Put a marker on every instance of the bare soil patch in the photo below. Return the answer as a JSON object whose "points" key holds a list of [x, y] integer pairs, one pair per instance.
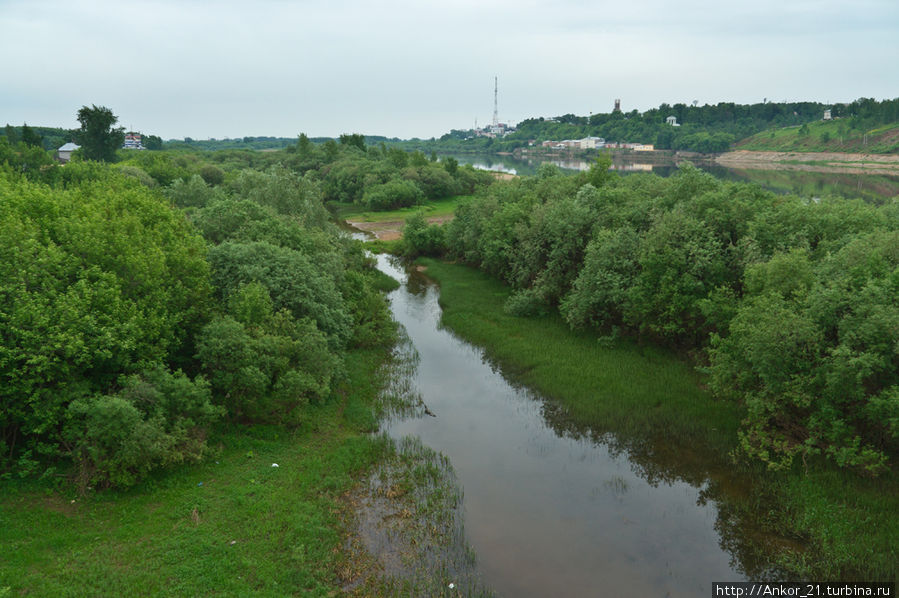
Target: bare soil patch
{"points": [[392, 229]]}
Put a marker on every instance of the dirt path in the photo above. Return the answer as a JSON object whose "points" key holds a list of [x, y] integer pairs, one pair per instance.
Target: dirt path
{"points": [[812, 162], [392, 229]]}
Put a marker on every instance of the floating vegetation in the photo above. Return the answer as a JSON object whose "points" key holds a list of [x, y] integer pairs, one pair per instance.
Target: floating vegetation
{"points": [[409, 534], [400, 397]]}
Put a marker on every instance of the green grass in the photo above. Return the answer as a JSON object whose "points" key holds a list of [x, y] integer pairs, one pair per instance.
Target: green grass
{"points": [[618, 386], [825, 136], [848, 525], [231, 526], [430, 209], [394, 247]]}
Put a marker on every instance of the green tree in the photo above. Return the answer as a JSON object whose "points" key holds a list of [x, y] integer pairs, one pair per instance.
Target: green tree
{"points": [[97, 137], [152, 142], [30, 137], [11, 135], [213, 175], [356, 140], [304, 147], [99, 280], [451, 165]]}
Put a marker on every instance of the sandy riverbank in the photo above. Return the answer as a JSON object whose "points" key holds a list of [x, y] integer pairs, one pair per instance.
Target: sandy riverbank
{"points": [[812, 162]]}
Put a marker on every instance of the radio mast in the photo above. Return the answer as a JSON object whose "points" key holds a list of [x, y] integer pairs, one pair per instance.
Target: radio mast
{"points": [[495, 102]]}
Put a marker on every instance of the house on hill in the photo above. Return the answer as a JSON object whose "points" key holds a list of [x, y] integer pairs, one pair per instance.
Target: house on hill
{"points": [[64, 154], [133, 141]]}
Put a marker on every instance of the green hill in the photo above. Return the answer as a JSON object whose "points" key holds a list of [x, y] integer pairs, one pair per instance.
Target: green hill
{"points": [[826, 136]]}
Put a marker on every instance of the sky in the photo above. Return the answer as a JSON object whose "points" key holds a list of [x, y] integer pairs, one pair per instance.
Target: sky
{"points": [[221, 68]]}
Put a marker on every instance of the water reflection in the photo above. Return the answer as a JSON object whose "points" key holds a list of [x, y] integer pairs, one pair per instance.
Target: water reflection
{"points": [[553, 508], [870, 187]]}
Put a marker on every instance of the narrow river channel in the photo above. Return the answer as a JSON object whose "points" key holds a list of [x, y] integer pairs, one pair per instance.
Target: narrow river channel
{"points": [[549, 514]]}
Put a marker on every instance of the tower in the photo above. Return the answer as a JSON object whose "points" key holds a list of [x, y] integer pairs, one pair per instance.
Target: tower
{"points": [[495, 101], [617, 106]]}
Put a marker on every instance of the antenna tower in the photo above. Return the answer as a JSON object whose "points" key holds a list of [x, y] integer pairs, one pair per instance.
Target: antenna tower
{"points": [[495, 102]]}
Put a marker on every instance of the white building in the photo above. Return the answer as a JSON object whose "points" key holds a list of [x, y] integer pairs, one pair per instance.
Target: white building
{"points": [[64, 154], [591, 142], [672, 120], [133, 141]]}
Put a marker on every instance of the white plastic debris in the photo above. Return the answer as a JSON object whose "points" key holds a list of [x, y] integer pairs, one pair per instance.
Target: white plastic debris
{"points": [[233, 542], [274, 464], [452, 585]]}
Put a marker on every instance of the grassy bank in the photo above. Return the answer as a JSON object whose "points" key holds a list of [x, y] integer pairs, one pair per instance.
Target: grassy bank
{"points": [[825, 136], [234, 525], [655, 405], [604, 384], [441, 208]]}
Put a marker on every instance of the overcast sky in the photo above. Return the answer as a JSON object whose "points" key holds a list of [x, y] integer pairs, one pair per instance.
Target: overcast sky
{"points": [[418, 68]]}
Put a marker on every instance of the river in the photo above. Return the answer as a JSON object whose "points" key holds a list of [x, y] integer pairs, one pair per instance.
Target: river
{"points": [[870, 187], [551, 513]]}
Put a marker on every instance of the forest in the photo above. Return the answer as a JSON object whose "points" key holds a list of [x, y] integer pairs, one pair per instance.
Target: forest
{"points": [[142, 307], [789, 306]]}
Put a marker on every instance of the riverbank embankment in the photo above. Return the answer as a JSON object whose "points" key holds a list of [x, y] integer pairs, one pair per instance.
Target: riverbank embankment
{"points": [[830, 162]]}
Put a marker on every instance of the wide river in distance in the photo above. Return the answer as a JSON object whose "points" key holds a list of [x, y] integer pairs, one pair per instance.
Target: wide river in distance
{"points": [[873, 188], [549, 513]]}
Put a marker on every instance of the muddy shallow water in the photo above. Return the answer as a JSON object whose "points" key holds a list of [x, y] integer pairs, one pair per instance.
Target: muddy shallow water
{"points": [[550, 513]]}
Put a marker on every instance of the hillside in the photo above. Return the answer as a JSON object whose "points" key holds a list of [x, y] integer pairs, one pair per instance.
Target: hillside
{"points": [[704, 129], [842, 136]]}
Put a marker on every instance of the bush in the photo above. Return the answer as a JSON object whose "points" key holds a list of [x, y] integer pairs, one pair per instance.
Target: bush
{"points": [[372, 323], [98, 281], [526, 303], [137, 173], [421, 239], [299, 283], [157, 419], [192, 192], [213, 175], [267, 373], [816, 363], [391, 195], [285, 192]]}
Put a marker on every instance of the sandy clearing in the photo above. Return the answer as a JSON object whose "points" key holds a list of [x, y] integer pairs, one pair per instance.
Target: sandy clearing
{"points": [[392, 229]]}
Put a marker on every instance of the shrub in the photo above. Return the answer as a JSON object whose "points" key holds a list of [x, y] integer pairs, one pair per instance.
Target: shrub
{"points": [[421, 239], [213, 175], [392, 194], [158, 418], [192, 192], [267, 373]]}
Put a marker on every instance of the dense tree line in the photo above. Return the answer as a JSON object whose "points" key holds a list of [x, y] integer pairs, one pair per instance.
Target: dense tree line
{"points": [[49, 138], [790, 305], [140, 305], [257, 143], [380, 177], [706, 129]]}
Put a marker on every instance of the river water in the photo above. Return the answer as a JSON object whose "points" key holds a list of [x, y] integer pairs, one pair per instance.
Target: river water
{"points": [[551, 513], [874, 188]]}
